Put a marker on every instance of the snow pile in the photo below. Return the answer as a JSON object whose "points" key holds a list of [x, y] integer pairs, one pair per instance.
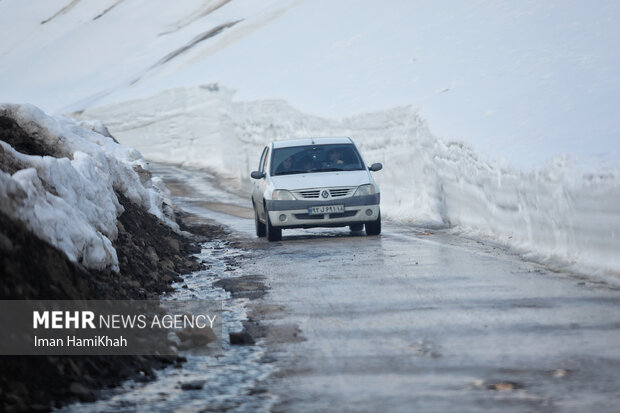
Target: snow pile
{"points": [[69, 199], [552, 213]]}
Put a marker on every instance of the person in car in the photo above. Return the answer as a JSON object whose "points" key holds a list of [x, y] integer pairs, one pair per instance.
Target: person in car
{"points": [[334, 157], [285, 165]]}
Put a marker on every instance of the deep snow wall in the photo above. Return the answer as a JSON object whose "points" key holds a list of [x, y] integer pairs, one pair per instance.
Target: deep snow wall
{"points": [[550, 214]]}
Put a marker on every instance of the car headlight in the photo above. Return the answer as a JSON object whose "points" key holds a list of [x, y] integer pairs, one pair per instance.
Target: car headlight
{"points": [[282, 195], [365, 190]]}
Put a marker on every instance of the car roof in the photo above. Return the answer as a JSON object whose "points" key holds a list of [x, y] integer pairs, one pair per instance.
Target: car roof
{"points": [[311, 141]]}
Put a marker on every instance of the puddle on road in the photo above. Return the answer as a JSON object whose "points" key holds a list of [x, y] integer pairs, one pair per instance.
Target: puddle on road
{"points": [[229, 378]]}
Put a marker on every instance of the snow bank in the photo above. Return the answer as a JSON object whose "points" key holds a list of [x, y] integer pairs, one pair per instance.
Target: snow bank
{"points": [[549, 214], [69, 199]]}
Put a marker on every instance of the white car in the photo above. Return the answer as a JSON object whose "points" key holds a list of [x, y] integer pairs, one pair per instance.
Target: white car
{"points": [[314, 182]]}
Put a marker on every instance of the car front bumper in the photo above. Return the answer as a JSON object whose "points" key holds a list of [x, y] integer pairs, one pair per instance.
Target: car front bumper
{"points": [[294, 214]]}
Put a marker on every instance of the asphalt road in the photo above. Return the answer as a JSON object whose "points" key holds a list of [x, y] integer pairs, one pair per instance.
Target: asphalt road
{"points": [[416, 320]]}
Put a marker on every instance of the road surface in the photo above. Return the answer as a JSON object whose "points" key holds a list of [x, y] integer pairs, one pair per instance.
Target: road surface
{"points": [[418, 320]]}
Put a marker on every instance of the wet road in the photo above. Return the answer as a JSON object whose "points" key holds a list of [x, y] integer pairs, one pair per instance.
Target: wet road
{"points": [[417, 321]]}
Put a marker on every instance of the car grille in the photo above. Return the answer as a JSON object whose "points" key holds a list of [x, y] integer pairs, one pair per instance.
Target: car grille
{"points": [[311, 193], [308, 216], [316, 193], [340, 192], [345, 214]]}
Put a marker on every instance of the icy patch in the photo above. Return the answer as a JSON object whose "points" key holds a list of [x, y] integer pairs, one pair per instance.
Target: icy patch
{"points": [[70, 201], [554, 213]]}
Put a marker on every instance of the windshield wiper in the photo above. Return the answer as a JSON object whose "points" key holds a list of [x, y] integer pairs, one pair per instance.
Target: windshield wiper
{"points": [[328, 170], [291, 172]]}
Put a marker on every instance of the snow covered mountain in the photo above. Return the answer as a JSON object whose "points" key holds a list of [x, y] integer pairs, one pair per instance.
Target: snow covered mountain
{"points": [[69, 55], [520, 81]]}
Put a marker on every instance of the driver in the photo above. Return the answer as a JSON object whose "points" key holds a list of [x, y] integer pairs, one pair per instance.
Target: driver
{"points": [[334, 157], [285, 165]]}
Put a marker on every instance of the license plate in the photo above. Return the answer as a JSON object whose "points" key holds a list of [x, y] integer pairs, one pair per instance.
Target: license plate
{"points": [[326, 209]]}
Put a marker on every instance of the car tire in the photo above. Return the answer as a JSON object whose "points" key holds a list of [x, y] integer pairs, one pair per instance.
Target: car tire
{"points": [[273, 233], [374, 227], [356, 227], [261, 231]]}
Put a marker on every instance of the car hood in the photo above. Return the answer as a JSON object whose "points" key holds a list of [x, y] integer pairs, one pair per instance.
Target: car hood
{"points": [[320, 180]]}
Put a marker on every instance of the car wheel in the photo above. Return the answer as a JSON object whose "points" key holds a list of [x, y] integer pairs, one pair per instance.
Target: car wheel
{"points": [[356, 227], [260, 227], [273, 233], [374, 227]]}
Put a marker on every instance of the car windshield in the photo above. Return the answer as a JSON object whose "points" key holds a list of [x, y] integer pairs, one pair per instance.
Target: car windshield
{"points": [[315, 158]]}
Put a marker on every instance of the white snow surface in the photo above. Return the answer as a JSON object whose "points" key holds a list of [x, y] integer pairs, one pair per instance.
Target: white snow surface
{"points": [[554, 214], [70, 201], [523, 81]]}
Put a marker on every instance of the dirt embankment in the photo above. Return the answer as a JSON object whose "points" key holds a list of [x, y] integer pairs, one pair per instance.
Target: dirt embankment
{"points": [[151, 256]]}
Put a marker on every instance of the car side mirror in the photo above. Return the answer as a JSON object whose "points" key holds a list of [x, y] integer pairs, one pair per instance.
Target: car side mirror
{"points": [[257, 174], [375, 167]]}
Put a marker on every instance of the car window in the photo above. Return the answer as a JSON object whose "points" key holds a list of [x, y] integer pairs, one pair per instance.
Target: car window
{"points": [[262, 160], [315, 158], [265, 160]]}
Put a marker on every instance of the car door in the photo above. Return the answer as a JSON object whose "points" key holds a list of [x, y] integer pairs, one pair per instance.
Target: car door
{"points": [[260, 185]]}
